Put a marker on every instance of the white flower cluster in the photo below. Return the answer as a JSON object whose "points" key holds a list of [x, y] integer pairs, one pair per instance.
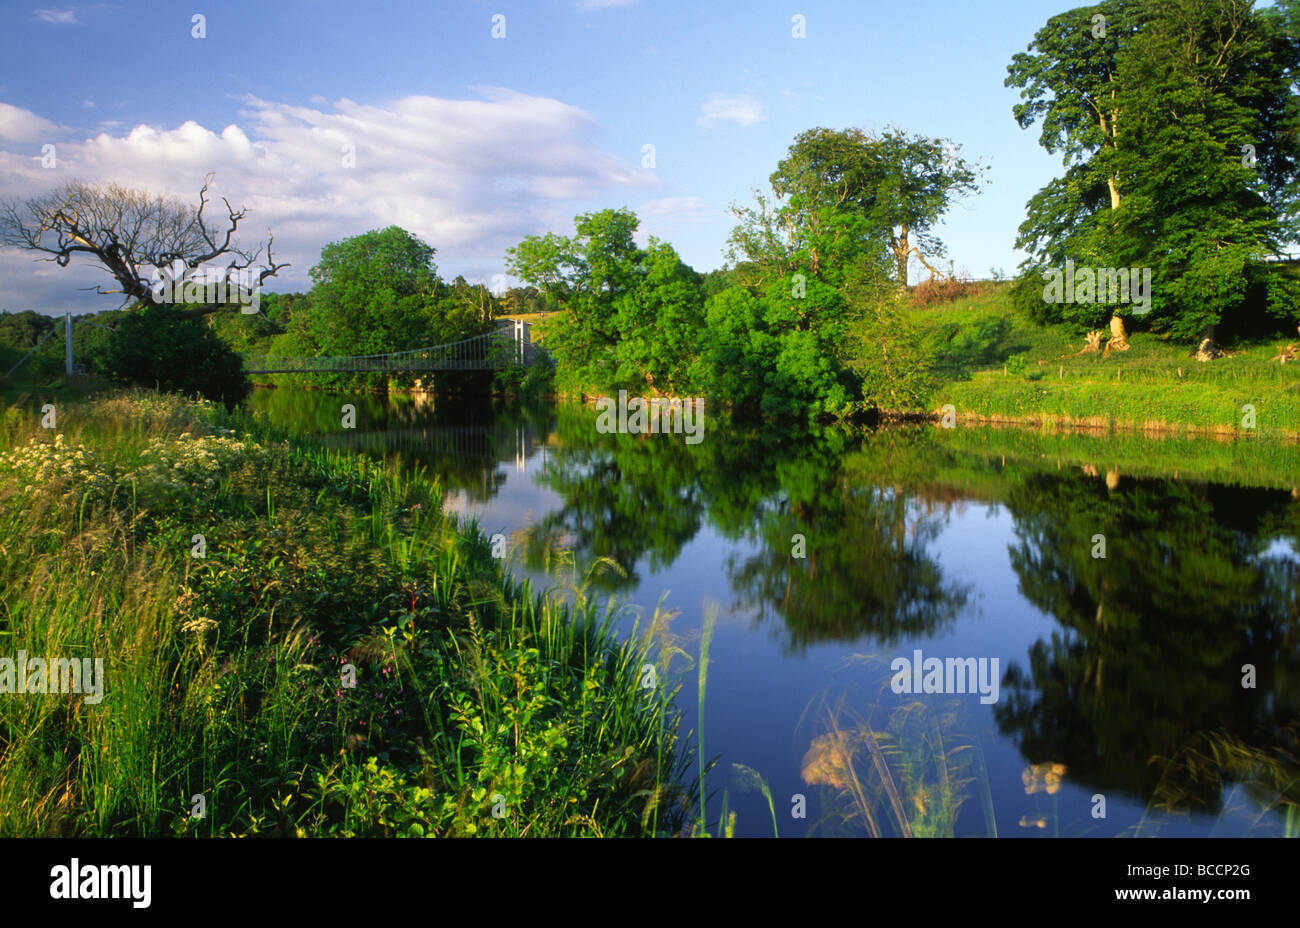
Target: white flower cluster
{"points": [[41, 463], [196, 462], [168, 466]]}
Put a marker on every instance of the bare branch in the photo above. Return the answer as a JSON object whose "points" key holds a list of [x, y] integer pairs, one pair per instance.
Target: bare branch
{"points": [[127, 231]]}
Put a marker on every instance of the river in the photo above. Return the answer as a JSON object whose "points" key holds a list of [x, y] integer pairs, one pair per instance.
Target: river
{"points": [[917, 632]]}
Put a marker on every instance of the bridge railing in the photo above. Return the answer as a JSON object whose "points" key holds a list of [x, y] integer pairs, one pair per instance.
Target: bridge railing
{"points": [[488, 351]]}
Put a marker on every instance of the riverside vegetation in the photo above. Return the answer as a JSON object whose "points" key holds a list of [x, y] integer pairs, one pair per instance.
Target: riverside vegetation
{"points": [[478, 707], [993, 362], [484, 708], [225, 672]]}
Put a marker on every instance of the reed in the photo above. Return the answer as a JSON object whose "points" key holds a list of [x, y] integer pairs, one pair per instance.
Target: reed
{"points": [[480, 705]]}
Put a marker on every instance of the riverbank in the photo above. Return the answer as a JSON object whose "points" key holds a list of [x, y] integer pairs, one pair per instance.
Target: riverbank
{"points": [[993, 365], [296, 641]]}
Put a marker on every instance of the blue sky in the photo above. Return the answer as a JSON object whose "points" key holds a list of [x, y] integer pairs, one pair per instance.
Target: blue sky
{"points": [[472, 141]]}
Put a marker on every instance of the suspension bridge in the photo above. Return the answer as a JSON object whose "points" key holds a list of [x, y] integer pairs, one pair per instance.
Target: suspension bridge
{"points": [[69, 366], [510, 345]]}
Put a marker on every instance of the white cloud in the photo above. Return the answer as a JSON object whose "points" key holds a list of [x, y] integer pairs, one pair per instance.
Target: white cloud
{"points": [[61, 17], [20, 125], [677, 209], [471, 177], [745, 110]]}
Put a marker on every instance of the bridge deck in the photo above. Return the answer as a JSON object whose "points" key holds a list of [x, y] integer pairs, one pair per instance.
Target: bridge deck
{"points": [[510, 345]]}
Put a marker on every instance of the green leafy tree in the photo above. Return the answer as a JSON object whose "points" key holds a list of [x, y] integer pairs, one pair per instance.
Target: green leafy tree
{"points": [[586, 276], [165, 348], [523, 301], [829, 254], [1150, 105], [379, 292], [280, 308], [882, 344], [735, 349], [25, 329], [658, 322], [1069, 80], [370, 292], [840, 195], [776, 354], [1205, 79]]}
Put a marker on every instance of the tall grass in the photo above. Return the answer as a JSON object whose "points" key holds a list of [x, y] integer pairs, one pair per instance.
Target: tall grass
{"points": [[1257, 788], [480, 706]]}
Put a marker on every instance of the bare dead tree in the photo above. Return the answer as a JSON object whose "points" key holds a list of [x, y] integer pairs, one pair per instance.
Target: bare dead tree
{"points": [[132, 234]]}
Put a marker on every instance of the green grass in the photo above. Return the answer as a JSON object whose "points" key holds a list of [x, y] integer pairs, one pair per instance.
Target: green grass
{"points": [[478, 708], [34, 392], [994, 363], [1252, 462]]}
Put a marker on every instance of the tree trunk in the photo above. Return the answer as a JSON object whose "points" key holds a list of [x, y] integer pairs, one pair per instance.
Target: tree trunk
{"points": [[901, 253], [1108, 129], [1118, 337]]}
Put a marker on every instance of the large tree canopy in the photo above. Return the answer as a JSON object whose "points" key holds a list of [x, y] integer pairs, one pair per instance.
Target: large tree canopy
{"points": [[1175, 119], [811, 313], [369, 292], [379, 292], [845, 196], [603, 284]]}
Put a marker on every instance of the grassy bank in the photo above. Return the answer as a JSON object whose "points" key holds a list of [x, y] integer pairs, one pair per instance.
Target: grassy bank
{"points": [[994, 364], [478, 707], [1247, 462]]}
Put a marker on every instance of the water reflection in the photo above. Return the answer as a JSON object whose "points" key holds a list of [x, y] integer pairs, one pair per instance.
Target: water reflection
{"points": [[1123, 673], [467, 441], [1154, 636]]}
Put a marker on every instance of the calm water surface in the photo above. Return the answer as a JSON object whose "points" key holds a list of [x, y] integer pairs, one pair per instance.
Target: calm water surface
{"points": [[1119, 681]]}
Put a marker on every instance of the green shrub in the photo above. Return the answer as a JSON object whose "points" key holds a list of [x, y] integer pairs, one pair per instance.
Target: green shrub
{"points": [[161, 347]]}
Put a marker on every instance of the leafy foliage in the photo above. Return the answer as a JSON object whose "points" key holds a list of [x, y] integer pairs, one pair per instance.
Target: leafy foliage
{"points": [[229, 673], [807, 315], [1176, 123], [158, 346], [375, 293]]}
